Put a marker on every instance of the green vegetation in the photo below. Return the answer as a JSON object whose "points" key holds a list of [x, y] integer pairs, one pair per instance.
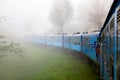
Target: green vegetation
{"points": [[7, 45], [38, 63]]}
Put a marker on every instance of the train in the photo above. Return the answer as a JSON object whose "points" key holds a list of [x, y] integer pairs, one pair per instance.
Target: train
{"points": [[84, 43], [103, 47], [109, 41]]}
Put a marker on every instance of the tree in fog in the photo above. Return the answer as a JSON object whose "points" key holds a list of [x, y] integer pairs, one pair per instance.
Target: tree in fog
{"points": [[61, 13], [9, 46], [98, 12]]}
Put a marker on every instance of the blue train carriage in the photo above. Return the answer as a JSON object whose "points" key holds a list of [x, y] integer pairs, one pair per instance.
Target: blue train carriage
{"points": [[110, 44], [117, 42], [76, 42], [58, 40], [67, 41], [89, 44], [40, 39], [35, 39], [49, 40]]}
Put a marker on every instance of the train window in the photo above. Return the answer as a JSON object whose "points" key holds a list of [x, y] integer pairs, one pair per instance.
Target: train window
{"points": [[118, 16], [76, 40], [58, 39], [112, 24], [72, 39], [83, 41], [86, 41], [67, 39]]}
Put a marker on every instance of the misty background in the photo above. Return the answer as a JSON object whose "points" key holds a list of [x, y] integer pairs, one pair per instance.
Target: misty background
{"points": [[25, 17]]}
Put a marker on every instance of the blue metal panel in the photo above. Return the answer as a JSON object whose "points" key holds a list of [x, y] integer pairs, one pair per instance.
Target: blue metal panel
{"points": [[49, 40], [40, 41], [75, 47], [67, 41], [115, 47], [90, 52], [58, 44], [49, 43], [66, 45], [76, 43], [89, 44], [118, 43]]}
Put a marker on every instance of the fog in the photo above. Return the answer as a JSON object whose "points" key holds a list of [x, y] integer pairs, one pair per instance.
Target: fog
{"points": [[24, 17]]}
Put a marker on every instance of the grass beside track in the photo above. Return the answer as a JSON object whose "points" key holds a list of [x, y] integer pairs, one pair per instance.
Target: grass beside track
{"points": [[39, 63]]}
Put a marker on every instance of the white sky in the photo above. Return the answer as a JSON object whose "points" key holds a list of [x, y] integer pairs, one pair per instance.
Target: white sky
{"points": [[32, 16], [25, 16]]}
